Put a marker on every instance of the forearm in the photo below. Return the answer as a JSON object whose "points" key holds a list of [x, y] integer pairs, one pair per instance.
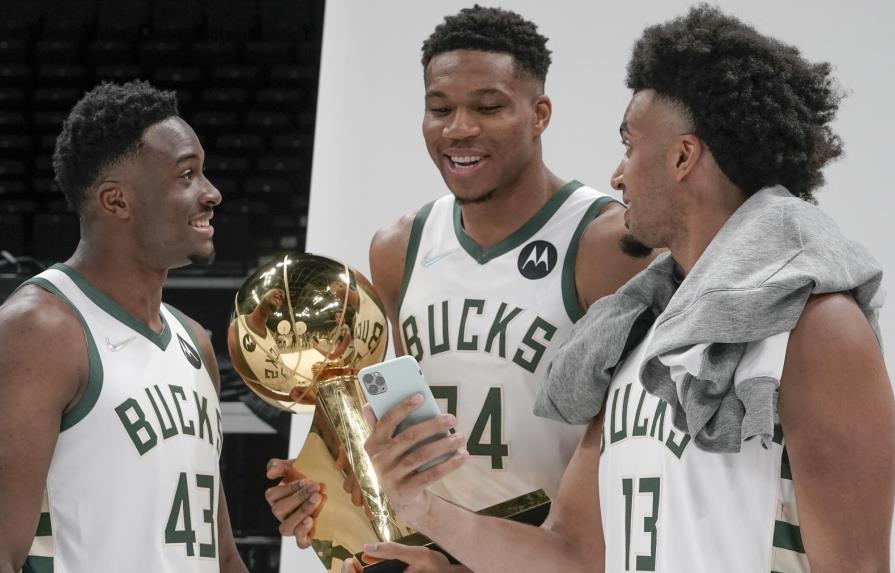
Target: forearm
{"points": [[488, 544]]}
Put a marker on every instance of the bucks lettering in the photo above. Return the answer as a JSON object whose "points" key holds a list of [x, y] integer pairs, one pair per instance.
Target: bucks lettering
{"points": [[165, 411], [648, 420], [478, 332]]}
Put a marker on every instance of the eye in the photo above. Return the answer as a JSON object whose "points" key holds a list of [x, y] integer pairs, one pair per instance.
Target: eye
{"points": [[439, 111], [490, 109], [627, 145], [187, 175]]}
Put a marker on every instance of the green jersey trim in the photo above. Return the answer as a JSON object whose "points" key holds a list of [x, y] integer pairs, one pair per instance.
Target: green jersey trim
{"points": [[569, 288], [94, 364], [484, 254], [413, 247], [101, 300], [181, 318], [36, 564]]}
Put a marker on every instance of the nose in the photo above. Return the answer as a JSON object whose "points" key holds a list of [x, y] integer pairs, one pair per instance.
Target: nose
{"points": [[461, 126], [616, 181], [211, 196]]}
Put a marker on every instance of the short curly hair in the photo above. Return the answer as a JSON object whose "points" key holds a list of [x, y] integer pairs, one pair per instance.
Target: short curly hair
{"points": [[763, 110], [491, 30], [102, 128]]}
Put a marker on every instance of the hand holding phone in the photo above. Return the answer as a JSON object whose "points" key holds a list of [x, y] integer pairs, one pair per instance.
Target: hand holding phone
{"points": [[389, 383]]}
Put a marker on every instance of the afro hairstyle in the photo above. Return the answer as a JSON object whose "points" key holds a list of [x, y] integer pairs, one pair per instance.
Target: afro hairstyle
{"points": [[763, 110]]}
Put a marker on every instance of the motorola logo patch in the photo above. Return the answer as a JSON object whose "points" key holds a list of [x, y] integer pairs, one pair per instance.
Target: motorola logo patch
{"points": [[191, 355], [248, 343], [537, 259]]}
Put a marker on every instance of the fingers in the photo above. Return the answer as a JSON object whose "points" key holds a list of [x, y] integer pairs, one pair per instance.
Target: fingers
{"points": [[445, 445], [385, 428], [386, 455], [341, 460], [433, 474], [369, 415], [277, 468], [351, 566], [303, 488], [357, 494], [415, 557]]}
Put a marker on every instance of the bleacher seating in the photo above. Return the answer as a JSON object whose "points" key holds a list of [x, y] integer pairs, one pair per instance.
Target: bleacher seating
{"points": [[245, 72]]}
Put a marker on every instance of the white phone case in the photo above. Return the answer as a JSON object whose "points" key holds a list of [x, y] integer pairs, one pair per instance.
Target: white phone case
{"points": [[389, 383]]}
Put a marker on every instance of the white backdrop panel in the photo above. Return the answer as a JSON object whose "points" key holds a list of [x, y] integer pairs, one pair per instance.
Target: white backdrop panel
{"points": [[371, 166]]}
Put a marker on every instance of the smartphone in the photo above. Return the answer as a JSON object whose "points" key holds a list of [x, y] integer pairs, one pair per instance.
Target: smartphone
{"points": [[389, 383]]}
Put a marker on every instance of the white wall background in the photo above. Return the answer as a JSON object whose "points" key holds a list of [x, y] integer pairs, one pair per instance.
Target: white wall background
{"points": [[371, 166]]}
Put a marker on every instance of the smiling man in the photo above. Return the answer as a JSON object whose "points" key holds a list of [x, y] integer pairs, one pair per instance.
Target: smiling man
{"points": [[752, 425], [482, 285], [109, 415]]}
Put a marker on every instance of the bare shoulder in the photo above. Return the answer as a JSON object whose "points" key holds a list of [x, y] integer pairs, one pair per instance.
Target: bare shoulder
{"points": [[388, 249], [601, 266], [38, 328], [832, 331], [838, 417], [32, 312], [394, 237]]}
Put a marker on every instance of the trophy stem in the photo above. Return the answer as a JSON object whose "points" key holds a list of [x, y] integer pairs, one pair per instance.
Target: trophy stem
{"points": [[337, 398]]}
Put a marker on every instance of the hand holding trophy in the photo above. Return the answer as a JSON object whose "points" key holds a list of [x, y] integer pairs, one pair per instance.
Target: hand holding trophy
{"points": [[302, 327]]}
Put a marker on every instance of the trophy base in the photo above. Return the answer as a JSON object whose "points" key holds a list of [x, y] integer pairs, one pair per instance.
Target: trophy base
{"points": [[531, 508]]}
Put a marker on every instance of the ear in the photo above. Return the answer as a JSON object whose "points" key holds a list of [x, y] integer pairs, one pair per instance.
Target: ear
{"points": [[112, 199], [687, 152], [543, 112]]}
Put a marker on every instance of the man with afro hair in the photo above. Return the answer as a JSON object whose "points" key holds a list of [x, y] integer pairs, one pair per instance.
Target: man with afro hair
{"points": [[109, 413], [740, 417], [482, 285]]}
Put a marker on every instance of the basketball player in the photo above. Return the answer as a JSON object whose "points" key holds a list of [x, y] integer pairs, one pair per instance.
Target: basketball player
{"points": [[482, 285], [725, 138], [111, 435]]}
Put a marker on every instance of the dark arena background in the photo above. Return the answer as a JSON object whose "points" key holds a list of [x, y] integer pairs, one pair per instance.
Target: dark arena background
{"points": [[245, 73]]}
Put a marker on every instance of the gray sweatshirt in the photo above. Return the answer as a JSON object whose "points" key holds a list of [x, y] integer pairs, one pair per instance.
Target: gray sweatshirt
{"points": [[752, 282]]}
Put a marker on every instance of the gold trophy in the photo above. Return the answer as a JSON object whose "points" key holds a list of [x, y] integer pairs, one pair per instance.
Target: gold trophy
{"points": [[303, 326]]}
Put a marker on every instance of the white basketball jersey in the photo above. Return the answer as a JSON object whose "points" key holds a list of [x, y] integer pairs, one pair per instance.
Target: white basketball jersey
{"points": [[483, 324], [668, 506], [133, 483]]}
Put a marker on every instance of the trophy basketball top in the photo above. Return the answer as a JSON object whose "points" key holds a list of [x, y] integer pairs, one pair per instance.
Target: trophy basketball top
{"points": [[302, 319]]}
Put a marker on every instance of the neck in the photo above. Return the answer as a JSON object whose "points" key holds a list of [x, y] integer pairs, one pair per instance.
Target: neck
{"points": [[707, 213], [511, 207], [129, 282]]}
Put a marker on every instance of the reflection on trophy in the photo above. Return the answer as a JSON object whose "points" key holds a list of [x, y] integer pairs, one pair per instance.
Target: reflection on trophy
{"points": [[302, 327]]}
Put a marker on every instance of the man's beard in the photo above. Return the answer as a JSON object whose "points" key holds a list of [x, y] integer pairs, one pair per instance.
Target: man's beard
{"points": [[632, 247], [202, 260], [487, 196]]}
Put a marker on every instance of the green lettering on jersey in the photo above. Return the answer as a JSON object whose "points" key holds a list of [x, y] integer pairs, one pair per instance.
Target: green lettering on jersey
{"points": [[170, 430], [133, 427], [499, 328], [490, 417], [462, 343], [659, 418], [538, 348], [445, 344], [189, 430], [640, 428], [621, 434], [449, 395], [412, 342], [677, 448], [204, 420], [220, 431]]}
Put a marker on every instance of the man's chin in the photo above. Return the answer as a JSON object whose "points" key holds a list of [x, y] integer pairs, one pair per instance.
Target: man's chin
{"points": [[202, 260], [476, 199], [632, 247]]}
